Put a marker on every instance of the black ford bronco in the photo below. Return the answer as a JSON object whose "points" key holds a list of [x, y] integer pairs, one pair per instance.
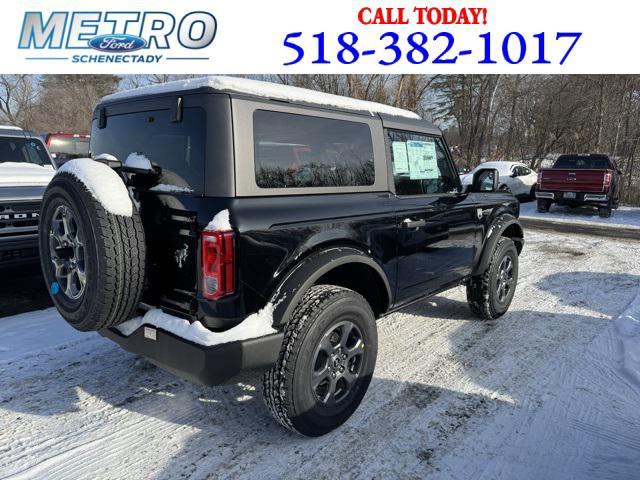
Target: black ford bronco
{"points": [[329, 213]]}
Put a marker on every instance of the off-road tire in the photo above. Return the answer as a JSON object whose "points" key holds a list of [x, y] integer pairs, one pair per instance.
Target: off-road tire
{"points": [[287, 388], [544, 205], [482, 294], [605, 212], [114, 255]]}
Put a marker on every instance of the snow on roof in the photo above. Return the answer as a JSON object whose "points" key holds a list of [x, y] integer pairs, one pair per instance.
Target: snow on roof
{"points": [[9, 127], [500, 165], [267, 90]]}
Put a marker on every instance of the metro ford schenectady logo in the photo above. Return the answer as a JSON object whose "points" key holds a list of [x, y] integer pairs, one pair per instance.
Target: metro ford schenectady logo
{"points": [[116, 37], [117, 43]]}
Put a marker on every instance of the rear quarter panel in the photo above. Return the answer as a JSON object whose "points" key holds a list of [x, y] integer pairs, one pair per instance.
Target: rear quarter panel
{"points": [[276, 233]]}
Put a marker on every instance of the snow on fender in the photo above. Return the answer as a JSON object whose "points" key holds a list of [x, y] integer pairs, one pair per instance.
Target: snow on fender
{"points": [[92, 246]]}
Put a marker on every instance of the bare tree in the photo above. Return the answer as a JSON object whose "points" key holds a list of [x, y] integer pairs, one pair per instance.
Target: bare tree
{"points": [[18, 95]]}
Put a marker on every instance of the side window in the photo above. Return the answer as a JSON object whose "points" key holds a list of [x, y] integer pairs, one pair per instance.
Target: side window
{"points": [[516, 171], [297, 151], [420, 165]]}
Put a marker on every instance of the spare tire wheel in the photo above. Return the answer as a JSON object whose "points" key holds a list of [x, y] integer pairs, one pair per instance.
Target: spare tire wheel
{"points": [[92, 260]]}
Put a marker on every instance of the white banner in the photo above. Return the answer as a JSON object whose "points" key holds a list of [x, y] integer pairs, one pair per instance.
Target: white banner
{"points": [[329, 36]]}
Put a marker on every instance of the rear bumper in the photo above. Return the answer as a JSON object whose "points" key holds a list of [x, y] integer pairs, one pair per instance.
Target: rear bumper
{"points": [[199, 364], [580, 197]]}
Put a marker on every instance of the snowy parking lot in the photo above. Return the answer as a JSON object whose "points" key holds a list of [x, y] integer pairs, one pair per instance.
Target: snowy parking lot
{"points": [[624, 216], [551, 390]]}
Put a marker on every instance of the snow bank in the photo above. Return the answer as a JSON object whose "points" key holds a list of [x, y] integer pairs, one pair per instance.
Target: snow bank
{"points": [[256, 325], [627, 217], [267, 90], [104, 184], [18, 174], [164, 188], [137, 160], [220, 222]]}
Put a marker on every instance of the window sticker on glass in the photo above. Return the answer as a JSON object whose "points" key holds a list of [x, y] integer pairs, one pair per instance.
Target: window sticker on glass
{"points": [[400, 157], [423, 162]]}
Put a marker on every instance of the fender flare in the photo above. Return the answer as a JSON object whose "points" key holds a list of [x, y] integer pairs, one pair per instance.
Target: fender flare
{"points": [[293, 286], [499, 225]]}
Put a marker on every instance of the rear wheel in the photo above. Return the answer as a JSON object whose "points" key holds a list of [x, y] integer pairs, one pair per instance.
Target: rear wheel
{"points": [[605, 212], [544, 205], [489, 295], [93, 261], [327, 359]]}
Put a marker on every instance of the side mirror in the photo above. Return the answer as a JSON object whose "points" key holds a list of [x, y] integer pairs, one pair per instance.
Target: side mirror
{"points": [[485, 180]]}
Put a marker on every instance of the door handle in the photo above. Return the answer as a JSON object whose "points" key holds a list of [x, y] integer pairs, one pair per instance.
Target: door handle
{"points": [[411, 223]]}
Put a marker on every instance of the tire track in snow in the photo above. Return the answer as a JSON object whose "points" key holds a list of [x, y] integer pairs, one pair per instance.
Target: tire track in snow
{"points": [[440, 379]]}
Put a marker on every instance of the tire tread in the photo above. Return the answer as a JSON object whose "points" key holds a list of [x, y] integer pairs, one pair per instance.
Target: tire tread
{"points": [[275, 379]]}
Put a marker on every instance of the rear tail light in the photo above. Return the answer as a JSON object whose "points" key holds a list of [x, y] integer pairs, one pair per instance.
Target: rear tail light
{"points": [[539, 179], [217, 264], [607, 180]]}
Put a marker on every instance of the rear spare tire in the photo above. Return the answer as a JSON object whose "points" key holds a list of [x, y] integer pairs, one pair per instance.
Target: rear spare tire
{"points": [[93, 261]]}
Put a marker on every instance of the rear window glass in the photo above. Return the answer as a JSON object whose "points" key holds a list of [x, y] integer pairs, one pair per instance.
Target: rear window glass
{"points": [[69, 147], [176, 147], [582, 163], [298, 151], [23, 150]]}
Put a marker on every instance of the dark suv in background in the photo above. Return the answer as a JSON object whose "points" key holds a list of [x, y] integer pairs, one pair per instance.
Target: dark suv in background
{"points": [[257, 203]]}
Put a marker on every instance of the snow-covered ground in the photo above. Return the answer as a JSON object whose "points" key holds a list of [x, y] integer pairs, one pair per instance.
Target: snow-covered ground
{"points": [[551, 390], [628, 217]]}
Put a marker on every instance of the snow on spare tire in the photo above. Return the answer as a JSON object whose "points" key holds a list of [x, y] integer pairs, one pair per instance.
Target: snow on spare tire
{"points": [[92, 247]]}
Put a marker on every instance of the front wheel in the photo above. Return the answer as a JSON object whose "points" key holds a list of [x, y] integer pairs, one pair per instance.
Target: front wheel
{"points": [[489, 295], [326, 362]]}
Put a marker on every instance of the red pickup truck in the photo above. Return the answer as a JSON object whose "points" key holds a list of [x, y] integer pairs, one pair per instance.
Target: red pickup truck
{"points": [[580, 180]]}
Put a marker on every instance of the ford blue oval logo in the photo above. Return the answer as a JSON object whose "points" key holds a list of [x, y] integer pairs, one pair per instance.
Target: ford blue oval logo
{"points": [[117, 43]]}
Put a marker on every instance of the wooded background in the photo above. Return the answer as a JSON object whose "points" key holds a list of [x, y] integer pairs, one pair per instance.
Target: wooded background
{"points": [[528, 118]]}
